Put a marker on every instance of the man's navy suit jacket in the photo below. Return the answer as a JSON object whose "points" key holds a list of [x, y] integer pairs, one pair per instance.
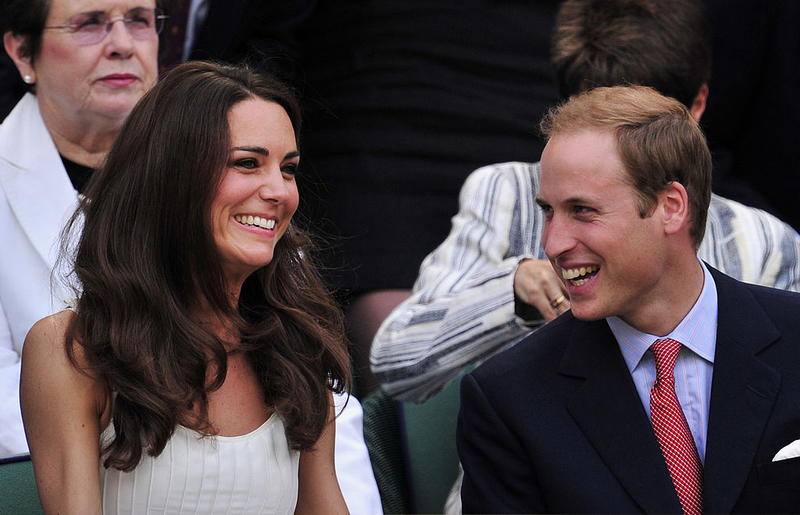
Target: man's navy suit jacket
{"points": [[554, 424]]}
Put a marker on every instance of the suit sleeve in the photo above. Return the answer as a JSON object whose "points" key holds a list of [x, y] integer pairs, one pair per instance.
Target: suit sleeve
{"points": [[461, 310], [498, 473]]}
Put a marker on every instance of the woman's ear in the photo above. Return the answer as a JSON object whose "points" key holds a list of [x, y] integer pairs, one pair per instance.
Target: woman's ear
{"points": [[675, 205], [13, 45]]}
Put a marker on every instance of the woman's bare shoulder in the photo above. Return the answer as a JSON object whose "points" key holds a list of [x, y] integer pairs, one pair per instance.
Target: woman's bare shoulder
{"points": [[47, 337], [47, 367]]}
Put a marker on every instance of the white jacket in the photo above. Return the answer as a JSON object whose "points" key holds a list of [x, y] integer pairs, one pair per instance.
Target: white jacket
{"points": [[36, 199]]}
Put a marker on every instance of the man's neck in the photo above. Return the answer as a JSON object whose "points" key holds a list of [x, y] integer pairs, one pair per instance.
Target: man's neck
{"points": [[678, 292]]}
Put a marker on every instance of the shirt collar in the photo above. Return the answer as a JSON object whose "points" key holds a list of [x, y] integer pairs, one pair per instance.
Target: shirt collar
{"points": [[697, 331]]}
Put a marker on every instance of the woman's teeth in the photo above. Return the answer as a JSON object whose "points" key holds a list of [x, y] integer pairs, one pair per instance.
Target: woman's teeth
{"points": [[256, 221]]}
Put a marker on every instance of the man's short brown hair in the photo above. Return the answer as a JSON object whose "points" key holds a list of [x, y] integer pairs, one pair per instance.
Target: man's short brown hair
{"points": [[657, 139]]}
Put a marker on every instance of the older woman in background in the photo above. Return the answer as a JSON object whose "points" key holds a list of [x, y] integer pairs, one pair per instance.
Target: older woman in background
{"points": [[87, 63]]}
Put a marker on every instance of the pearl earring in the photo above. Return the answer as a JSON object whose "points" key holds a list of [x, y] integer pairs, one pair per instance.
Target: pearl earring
{"points": [[28, 79]]}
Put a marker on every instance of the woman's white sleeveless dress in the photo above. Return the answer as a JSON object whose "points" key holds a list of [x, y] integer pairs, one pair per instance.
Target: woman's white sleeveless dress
{"points": [[250, 474]]}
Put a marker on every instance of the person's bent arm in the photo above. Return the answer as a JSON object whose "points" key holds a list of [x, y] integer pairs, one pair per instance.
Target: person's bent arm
{"points": [[463, 307], [62, 409], [751, 245]]}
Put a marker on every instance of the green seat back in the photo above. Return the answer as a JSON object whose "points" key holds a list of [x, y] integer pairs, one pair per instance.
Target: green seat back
{"points": [[430, 430], [18, 494]]}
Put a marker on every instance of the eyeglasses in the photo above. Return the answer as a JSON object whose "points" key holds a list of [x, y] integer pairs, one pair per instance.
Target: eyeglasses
{"points": [[93, 27]]}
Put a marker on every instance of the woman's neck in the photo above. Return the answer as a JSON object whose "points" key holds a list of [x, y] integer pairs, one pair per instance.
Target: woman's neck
{"points": [[84, 141]]}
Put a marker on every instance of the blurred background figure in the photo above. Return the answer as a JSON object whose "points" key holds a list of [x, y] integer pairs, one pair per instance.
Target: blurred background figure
{"points": [[84, 73], [191, 367]]}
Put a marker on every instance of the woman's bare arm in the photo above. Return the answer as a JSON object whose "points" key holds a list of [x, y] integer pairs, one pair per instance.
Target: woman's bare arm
{"points": [[319, 490], [62, 410]]}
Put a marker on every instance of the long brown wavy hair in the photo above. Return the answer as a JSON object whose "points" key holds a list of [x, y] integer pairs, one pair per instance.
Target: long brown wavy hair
{"points": [[146, 261]]}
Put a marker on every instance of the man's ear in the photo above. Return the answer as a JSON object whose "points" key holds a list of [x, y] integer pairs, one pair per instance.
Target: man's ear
{"points": [[699, 104], [674, 203], [13, 44]]}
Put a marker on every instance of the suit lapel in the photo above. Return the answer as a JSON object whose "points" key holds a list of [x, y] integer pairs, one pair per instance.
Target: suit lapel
{"points": [[37, 187], [609, 412], [744, 391]]}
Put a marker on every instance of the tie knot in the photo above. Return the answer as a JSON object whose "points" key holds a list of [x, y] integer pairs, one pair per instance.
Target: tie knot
{"points": [[665, 353]]}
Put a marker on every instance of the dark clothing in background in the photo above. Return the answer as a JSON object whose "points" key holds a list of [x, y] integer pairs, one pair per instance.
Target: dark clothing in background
{"points": [[753, 116], [403, 100], [11, 86], [261, 33]]}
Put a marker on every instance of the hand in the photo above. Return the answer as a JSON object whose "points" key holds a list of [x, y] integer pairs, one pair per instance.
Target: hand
{"points": [[537, 284]]}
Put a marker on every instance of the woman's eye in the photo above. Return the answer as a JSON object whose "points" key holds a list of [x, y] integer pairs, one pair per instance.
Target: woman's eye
{"points": [[247, 163], [88, 22], [290, 169]]}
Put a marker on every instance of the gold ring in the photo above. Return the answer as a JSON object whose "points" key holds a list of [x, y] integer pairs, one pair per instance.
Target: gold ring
{"points": [[558, 301]]}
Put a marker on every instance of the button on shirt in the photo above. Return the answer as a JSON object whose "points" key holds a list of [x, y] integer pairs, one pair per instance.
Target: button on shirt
{"points": [[697, 332]]}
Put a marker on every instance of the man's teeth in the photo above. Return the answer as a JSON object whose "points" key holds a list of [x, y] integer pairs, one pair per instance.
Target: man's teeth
{"points": [[574, 274], [256, 221]]}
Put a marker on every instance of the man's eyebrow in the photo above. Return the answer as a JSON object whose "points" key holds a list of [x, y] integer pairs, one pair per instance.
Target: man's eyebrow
{"points": [[571, 201], [578, 200]]}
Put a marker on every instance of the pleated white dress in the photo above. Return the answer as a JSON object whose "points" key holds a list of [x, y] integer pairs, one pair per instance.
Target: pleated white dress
{"points": [[254, 473]]}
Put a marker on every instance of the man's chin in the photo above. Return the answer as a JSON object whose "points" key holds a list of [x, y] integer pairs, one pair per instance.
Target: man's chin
{"points": [[586, 313]]}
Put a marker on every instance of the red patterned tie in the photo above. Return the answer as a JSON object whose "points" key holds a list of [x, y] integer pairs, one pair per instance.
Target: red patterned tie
{"points": [[672, 431]]}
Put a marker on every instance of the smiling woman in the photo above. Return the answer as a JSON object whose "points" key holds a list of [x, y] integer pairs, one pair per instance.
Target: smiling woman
{"points": [[258, 194], [203, 338]]}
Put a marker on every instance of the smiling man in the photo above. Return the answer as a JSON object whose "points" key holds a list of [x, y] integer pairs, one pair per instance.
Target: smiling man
{"points": [[669, 387]]}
